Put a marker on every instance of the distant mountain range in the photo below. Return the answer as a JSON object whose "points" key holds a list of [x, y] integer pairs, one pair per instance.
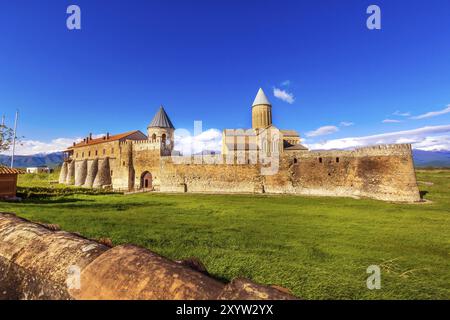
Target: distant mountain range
{"points": [[421, 159], [431, 158], [41, 159]]}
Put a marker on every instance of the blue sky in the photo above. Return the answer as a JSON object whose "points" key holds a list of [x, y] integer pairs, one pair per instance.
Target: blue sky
{"points": [[205, 60]]}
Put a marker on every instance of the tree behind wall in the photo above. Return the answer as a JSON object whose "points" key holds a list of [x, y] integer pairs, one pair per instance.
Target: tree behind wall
{"points": [[6, 137]]}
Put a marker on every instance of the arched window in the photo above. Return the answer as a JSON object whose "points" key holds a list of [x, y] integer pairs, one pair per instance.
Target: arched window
{"points": [[154, 137], [163, 138]]}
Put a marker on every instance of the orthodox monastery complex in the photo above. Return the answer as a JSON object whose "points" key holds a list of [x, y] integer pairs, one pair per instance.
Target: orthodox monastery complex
{"points": [[262, 159]]}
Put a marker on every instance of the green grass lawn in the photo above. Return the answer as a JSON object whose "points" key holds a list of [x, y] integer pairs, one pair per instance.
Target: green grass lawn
{"points": [[319, 247]]}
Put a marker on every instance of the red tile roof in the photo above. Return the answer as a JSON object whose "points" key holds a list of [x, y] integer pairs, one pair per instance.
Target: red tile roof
{"points": [[7, 170], [103, 139]]}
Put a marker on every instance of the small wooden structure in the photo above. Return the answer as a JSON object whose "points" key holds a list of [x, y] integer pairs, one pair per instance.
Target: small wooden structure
{"points": [[8, 181]]}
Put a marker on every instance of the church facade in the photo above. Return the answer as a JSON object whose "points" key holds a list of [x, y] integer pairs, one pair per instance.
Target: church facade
{"points": [[261, 159]]}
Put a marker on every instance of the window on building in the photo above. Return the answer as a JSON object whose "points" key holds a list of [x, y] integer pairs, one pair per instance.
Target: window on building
{"points": [[163, 138], [112, 150], [154, 136], [89, 154], [96, 152], [76, 155], [104, 151], [111, 173], [82, 154]]}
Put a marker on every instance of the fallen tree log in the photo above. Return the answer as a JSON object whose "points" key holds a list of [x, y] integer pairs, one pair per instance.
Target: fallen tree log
{"points": [[38, 262]]}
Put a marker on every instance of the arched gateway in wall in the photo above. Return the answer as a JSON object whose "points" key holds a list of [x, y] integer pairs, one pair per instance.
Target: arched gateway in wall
{"points": [[146, 181]]}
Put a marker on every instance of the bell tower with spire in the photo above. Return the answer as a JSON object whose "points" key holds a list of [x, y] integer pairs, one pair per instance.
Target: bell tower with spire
{"points": [[261, 111], [161, 129]]}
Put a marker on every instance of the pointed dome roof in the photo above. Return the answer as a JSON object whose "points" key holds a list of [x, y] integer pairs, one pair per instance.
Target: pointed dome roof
{"points": [[261, 98], [161, 120]]}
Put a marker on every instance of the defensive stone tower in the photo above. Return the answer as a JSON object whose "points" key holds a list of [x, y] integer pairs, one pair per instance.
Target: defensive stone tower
{"points": [[92, 168], [261, 111], [161, 129], [63, 173], [70, 172], [103, 177], [80, 172]]}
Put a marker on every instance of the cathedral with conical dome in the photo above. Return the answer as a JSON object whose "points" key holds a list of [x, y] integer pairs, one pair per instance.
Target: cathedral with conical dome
{"points": [[260, 159], [263, 135]]}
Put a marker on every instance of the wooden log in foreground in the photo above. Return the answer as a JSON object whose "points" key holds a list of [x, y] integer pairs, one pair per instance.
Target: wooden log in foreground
{"points": [[37, 262]]}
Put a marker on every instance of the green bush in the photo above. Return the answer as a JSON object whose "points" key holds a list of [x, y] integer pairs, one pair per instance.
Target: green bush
{"points": [[45, 192]]}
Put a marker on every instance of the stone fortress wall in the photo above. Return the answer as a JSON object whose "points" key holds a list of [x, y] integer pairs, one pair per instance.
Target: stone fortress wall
{"points": [[384, 172], [114, 168], [135, 161]]}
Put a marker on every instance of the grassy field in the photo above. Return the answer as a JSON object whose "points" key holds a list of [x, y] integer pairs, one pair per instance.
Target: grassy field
{"points": [[319, 247]]}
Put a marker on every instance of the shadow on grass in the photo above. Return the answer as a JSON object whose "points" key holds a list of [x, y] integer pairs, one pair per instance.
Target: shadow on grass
{"points": [[87, 204], [423, 194], [51, 200]]}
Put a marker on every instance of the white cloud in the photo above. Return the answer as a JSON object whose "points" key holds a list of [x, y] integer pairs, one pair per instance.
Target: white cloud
{"points": [[390, 121], [286, 83], [207, 140], [401, 114], [346, 124], [29, 147], [322, 131], [425, 138], [434, 143], [210, 139], [283, 95], [433, 113]]}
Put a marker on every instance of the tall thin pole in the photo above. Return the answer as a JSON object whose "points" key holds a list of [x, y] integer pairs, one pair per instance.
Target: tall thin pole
{"points": [[14, 139], [2, 127]]}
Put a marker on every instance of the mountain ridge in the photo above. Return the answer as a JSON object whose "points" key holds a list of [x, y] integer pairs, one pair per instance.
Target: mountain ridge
{"points": [[51, 160]]}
